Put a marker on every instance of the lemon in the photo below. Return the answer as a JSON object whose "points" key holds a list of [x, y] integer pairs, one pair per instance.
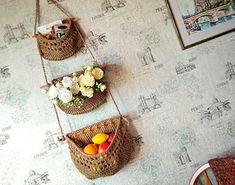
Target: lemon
{"points": [[100, 138]]}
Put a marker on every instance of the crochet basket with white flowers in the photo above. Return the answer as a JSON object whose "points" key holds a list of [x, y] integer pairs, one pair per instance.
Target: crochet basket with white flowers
{"points": [[80, 92]]}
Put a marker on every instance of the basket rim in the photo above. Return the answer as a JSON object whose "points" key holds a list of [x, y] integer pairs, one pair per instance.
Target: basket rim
{"points": [[110, 146], [56, 40]]}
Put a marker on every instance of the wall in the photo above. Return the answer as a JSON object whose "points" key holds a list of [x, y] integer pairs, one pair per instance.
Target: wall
{"points": [[177, 134]]}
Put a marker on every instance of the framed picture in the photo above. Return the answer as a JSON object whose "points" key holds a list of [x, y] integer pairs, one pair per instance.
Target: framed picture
{"points": [[200, 20]]}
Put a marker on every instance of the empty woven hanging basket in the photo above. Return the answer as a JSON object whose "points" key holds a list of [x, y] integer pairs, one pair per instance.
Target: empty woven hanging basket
{"points": [[108, 162], [61, 48]]}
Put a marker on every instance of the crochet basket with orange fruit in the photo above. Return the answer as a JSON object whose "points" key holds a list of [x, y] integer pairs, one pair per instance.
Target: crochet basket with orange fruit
{"points": [[101, 142]]}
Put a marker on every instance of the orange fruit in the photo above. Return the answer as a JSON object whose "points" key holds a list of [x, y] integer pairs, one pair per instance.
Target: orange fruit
{"points": [[90, 149]]}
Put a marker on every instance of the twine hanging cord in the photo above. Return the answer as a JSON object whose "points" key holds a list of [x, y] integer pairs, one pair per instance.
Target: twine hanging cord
{"points": [[37, 21]]}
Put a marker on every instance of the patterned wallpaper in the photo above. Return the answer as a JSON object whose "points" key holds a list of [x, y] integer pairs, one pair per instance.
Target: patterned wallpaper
{"points": [[181, 102]]}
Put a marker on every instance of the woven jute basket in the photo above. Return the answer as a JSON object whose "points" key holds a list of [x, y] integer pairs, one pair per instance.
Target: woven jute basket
{"points": [[108, 162], [60, 48], [89, 104]]}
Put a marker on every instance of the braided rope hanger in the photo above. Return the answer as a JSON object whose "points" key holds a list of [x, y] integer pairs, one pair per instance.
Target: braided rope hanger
{"points": [[37, 21]]}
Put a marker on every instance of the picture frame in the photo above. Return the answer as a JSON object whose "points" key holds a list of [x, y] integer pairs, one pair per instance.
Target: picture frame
{"points": [[197, 21]]}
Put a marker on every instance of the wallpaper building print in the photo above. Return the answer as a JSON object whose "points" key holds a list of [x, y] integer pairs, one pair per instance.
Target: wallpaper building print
{"points": [[181, 103], [4, 73], [146, 57], [15, 33], [182, 68], [165, 14], [51, 140], [182, 157], [147, 104], [230, 72], [216, 109], [96, 41], [35, 178], [111, 5]]}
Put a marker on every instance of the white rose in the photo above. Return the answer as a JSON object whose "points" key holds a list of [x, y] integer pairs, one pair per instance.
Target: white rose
{"points": [[74, 88], [65, 95], [82, 88], [87, 80], [102, 88], [98, 73], [53, 92], [88, 92], [67, 81]]}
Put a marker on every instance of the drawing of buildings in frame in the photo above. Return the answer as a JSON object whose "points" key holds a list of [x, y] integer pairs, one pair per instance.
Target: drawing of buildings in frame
{"points": [[198, 21]]}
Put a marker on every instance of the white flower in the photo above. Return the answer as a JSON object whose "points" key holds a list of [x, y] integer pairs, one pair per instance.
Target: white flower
{"points": [[53, 92], [80, 78], [74, 88], [75, 79], [87, 80], [98, 73], [82, 88], [88, 92], [102, 88], [67, 81], [65, 95], [88, 70]]}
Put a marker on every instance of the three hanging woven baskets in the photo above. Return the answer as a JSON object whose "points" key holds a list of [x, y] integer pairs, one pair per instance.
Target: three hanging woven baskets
{"points": [[61, 48], [106, 163], [78, 101]]}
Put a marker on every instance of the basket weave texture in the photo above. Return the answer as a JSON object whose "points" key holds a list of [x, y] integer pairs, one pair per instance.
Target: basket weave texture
{"points": [[63, 47], [89, 104], [108, 162], [224, 169]]}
